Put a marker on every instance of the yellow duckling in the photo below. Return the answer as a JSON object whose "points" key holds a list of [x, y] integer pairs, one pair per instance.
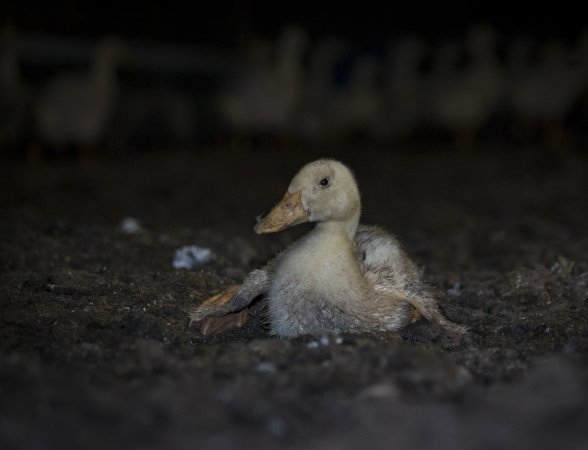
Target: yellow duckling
{"points": [[340, 277]]}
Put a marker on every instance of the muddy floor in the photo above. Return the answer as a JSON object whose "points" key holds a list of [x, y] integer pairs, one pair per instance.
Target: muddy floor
{"points": [[95, 349]]}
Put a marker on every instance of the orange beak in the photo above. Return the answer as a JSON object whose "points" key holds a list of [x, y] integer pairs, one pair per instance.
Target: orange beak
{"points": [[288, 212]]}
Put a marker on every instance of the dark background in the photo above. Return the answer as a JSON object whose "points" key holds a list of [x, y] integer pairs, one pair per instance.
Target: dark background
{"points": [[220, 22]]}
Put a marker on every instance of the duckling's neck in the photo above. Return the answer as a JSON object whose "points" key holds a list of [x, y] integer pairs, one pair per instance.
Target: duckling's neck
{"points": [[349, 226]]}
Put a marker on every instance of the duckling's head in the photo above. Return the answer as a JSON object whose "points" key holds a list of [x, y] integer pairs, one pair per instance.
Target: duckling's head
{"points": [[322, 191]]}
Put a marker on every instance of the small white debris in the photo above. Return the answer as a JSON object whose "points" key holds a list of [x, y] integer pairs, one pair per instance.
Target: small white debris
{"points": [[266, 367], [325, 340], [497, 236], [191, 256], [130, 225], [226, 396], [379, 391], [277, 426], [454, 290]]}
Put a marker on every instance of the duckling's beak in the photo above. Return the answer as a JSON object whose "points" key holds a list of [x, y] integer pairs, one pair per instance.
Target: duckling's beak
{"points": [[288, 212]]}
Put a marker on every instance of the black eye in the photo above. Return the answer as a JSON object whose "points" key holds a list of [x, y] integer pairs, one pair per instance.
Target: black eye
{"points": [[324, 182]]}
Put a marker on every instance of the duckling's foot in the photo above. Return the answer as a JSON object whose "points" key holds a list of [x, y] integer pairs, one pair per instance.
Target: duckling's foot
{"points": [[219, 313], [214, 324], [452, 328]]}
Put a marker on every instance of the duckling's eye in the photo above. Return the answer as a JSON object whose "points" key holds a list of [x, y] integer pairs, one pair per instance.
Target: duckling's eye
{"points": [[324, 182]]}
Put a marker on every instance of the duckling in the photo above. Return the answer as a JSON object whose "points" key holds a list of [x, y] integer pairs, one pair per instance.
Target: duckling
{"points": [[340, 277]]}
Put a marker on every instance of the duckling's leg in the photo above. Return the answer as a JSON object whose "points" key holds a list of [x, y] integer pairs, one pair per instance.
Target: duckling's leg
{"points": [[427, 307], [215, 324], [415, 315], [229, 309], [212, 324]]}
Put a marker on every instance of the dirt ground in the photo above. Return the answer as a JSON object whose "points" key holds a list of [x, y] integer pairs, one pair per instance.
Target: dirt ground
{"points": [[95, 351]]}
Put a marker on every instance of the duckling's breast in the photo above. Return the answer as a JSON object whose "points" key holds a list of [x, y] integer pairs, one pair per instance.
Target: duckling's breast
{"points": [[318, 287]]}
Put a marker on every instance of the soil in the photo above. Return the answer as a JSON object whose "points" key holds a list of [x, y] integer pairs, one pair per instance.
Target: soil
{"points": [[96, 352]]}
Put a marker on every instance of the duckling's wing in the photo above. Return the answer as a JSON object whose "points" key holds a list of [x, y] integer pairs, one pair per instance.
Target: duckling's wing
{"points": [[229, 308], [391, 271], [385, 263]]}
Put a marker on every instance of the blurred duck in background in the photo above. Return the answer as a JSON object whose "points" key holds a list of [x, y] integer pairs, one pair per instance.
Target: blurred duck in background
{"points": [[580, 55], [403, 90], [546, 90], [285, 90], [519, 61], [441, 78], [466, 98], [356, 108], [319, 88], [460, 88], [266, 92], [75, 109]]}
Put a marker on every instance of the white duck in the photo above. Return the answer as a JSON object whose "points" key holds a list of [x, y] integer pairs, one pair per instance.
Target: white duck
{"points": [[75, 109], [340, 277]]}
